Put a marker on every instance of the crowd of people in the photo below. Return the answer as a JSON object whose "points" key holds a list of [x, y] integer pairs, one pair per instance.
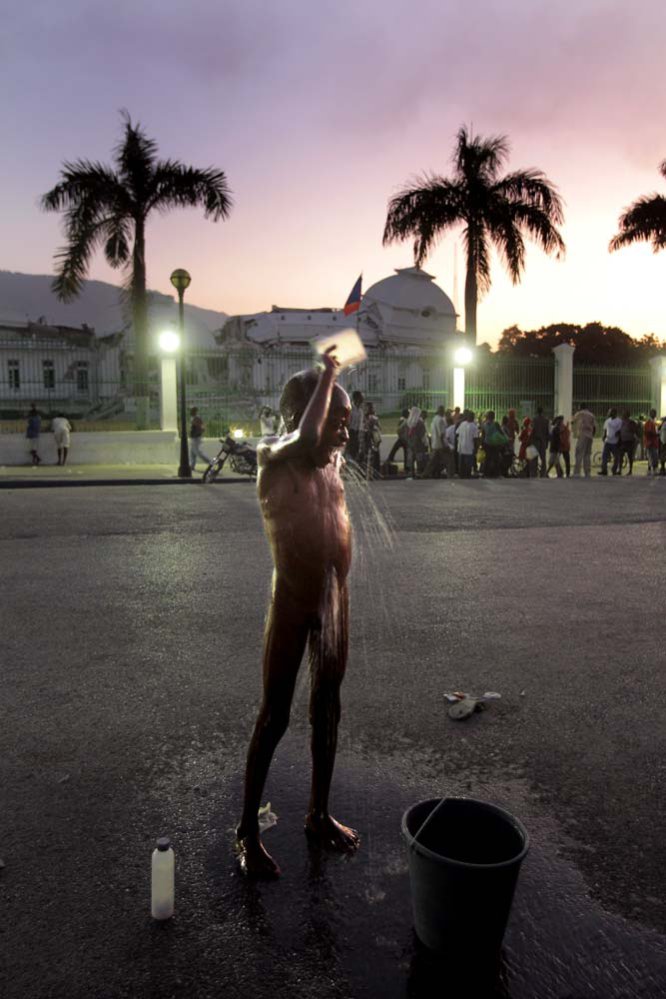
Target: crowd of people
{"points": [[454, 443]]}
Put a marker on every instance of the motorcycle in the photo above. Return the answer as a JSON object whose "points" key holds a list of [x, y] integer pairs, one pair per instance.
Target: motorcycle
{"points": [[242, 459]]}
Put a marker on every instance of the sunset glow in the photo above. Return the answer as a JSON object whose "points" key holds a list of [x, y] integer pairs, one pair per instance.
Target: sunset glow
{"points": [[319, 114]]}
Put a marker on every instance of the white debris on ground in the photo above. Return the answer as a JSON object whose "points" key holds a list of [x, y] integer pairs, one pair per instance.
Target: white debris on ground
{"points": [[266, 817], [464, 705]]}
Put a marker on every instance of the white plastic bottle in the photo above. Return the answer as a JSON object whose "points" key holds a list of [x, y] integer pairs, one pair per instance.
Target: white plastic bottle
{"points": [[162, 886]]}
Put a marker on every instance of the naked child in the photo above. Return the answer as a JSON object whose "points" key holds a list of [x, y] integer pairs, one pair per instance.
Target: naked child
{"points": [[302, 501]]}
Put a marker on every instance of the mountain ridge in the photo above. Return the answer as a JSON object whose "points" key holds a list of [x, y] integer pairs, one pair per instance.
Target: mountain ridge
{"points": [[28, 297]]}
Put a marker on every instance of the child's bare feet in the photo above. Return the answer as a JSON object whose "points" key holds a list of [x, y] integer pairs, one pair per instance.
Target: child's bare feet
{"points": [[330, 834], [255, 860]]}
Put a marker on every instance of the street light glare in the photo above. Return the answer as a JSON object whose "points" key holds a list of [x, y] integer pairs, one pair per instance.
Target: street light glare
{"points": [[169, 341], [463, 355]]}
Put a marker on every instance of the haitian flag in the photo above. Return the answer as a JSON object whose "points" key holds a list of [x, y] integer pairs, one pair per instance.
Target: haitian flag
{"points": [[353, 303]]}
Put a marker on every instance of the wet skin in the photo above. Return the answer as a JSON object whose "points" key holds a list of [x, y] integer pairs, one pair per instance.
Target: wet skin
{"points": [[302, 501]]}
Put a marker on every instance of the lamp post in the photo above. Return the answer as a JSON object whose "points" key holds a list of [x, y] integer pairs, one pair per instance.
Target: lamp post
{"points": [[461, 357], [180, 279]]}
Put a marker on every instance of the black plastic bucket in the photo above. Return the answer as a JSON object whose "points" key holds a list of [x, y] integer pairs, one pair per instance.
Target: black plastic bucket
{"points": [[464, 861]]}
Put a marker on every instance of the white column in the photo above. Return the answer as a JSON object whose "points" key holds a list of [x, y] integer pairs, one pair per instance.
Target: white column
{"points": [[564, 353], [459, 388], [168, 395], [658, 365]]}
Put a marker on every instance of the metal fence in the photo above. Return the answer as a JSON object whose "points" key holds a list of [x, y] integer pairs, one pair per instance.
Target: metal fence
{"points": [[230, 385], [604, 387], [500, 383]]}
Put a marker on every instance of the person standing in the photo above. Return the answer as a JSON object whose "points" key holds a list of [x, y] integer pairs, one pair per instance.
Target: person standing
{"points": [[437, 432], [372, 433], [197, 428], [565, 446], [417, 439], [32, 433], [511, 427], [611, 439], [525, 439], [450, 447], [554, 458], [585, 429], [662, 446], [61, 428], [651, 442], [468, 434], [355, 426], [401, 441], [540, 437], [628, 438]]}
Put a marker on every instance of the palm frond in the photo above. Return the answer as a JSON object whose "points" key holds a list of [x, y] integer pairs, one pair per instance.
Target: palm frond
{"points": [[475, 157], [538, 226], [135, 157], [533, 188], [510, 245], [73, 260], [662, 169], [644, 221], [117, 248], [175, 185], [423, 213], [82, 180]]}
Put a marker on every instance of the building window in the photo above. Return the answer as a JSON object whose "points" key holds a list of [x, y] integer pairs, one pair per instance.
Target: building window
{"points": [[14, 374], [373, 383], [81, 376], [401, 384], [48, 371]]}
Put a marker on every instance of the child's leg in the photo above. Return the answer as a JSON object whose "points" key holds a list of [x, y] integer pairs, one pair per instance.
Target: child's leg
{"points": [[284, 643], [328, 661]]}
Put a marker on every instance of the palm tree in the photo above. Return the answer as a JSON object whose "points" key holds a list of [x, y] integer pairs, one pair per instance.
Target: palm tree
{"points": [[644, 221], [492, 209], [109, 208]]}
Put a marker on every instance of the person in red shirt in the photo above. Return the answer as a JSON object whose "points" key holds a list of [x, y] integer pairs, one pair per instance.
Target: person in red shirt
{"points": [[651, 442]]}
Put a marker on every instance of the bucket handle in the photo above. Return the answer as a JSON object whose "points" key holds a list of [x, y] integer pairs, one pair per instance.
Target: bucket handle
{"points": [[430, 816]]}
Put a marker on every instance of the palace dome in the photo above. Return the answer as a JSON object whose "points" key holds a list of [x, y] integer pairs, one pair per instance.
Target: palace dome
{"points": [[413, 290]]}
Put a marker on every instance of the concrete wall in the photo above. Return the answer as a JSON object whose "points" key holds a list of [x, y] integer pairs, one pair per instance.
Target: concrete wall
{"points": [[137, 447]]}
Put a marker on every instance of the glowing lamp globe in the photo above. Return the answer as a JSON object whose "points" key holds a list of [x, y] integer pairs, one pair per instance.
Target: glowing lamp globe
{"points": [[462, 356], [169, 341]]}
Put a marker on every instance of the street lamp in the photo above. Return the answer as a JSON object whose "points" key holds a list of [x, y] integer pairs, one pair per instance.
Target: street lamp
{"points": [[461, 357], [180, 279]]}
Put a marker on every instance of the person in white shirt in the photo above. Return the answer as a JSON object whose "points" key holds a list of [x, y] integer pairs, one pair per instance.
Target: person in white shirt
{"points": [[437, 444], [468, 432], [611, 438], [450, 446], [61, 428]]}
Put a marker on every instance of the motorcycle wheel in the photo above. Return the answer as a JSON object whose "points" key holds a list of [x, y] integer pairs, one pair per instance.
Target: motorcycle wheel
{"points": [[212, 472]]}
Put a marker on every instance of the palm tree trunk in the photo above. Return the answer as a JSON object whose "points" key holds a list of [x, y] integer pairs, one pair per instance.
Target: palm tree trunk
{"points": [[471, 294], [140, 325]]}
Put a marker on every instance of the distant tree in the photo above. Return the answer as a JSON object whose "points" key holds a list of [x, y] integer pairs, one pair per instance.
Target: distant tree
{"points": [[643, 221], [594, 343], [492, 209], [109, 208]]}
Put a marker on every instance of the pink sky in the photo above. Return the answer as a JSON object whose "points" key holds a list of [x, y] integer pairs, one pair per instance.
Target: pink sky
{"points": [[319, 112]]}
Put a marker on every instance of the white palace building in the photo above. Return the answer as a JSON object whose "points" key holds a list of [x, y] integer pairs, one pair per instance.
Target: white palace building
{"points": [[407, 323]]}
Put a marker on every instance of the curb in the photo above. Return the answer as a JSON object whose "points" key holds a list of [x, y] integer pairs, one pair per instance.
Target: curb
{"points": [[78, 483]]}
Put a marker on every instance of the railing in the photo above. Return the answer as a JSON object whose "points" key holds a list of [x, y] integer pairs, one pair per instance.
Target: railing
{"points": [[604, 387], [500, 383]]}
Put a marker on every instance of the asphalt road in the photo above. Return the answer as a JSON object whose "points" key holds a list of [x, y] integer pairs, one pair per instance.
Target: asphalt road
{"points": [[130, 648]]}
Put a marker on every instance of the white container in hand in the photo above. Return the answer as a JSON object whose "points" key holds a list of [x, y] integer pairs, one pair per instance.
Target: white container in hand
{"points": [[162, 881], [348, 345]]}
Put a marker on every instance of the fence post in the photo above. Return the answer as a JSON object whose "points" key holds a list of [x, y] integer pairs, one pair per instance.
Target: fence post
{"points": [[658, 365], [168, 395], [563, 387]]}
